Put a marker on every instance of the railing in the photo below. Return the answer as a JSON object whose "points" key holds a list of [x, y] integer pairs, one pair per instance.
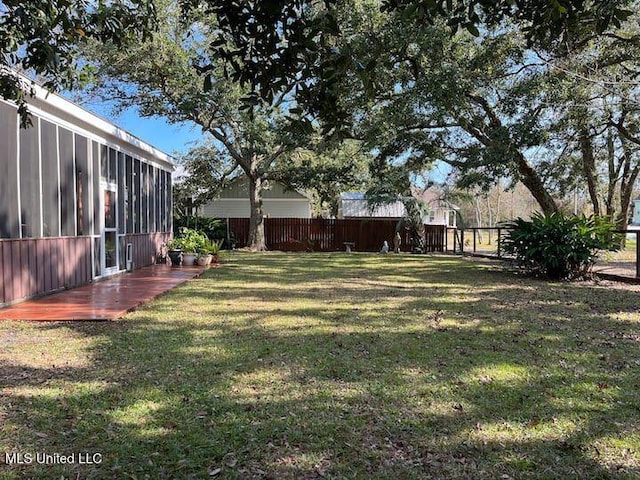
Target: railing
{"points": [[624, 263], [478, 241], [486, 242]]}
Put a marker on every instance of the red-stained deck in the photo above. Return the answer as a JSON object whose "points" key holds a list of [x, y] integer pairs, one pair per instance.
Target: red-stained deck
{"points": [[103, 300]]}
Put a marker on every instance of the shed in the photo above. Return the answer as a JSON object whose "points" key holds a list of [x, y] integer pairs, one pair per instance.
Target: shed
{"points": [[355, 205]]}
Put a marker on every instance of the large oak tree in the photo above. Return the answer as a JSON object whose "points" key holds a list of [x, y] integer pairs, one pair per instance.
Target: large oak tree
{"points": [[161, 77]]}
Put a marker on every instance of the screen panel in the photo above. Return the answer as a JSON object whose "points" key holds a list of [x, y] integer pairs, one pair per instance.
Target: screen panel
{"points": [[95, 153], [144, 197], [122, 200], [9, 212], [152, 199], [83, 181], [137, 197], [130, 195], [30, 181], [67, 183], [50, 187]]}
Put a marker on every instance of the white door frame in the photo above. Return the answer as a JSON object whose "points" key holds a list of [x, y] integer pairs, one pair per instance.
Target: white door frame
{"points": [[104, 230]]}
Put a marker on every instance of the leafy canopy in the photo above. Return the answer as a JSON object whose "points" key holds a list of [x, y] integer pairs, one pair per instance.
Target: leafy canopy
{"points": [[42, 37]]}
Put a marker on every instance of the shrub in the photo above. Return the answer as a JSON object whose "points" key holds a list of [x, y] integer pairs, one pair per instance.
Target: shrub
{"points": [[559, 246], [213, 228], [190, 241]]}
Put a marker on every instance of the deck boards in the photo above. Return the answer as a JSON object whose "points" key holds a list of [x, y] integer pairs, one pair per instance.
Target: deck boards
{"points": [[104, 300]]}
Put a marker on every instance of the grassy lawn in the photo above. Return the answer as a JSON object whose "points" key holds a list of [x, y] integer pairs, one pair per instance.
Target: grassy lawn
{"points": [[336, 366]]}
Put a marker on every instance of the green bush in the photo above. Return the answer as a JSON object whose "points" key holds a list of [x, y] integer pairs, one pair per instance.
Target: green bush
{"points": [[558, 246], [190, 241], [213, 228]]}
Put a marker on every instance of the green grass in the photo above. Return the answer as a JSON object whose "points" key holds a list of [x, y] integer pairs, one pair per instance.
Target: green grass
{"points": [[336, 366]]}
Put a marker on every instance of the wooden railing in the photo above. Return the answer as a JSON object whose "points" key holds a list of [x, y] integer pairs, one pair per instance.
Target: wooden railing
{"points": [[486, 242]]}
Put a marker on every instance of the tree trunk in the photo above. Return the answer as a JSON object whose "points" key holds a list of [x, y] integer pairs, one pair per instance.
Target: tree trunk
{"points": [[614, 171], [629, 177], [589, 169], [256, 218], [531, 180]]}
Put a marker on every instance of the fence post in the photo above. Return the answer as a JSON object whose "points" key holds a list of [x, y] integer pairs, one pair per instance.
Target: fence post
{"points": [[499, 230], [474, 240], [461, 242]]}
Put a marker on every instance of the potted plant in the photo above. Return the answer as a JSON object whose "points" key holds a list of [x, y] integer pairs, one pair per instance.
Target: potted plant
{"points": [[174, 250], [191, 242], [209, 253], [214, 250]]}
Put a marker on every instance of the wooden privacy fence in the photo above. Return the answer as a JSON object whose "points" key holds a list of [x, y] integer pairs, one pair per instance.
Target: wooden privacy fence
{"points": [[327, 235]]}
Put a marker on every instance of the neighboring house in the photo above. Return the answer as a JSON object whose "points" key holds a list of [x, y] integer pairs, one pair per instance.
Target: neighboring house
{"points": [[277, 202], [80, 198], [355, 205]]}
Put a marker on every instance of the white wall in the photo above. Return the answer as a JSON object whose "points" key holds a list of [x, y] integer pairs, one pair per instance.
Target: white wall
{"points": [[273, 208]]}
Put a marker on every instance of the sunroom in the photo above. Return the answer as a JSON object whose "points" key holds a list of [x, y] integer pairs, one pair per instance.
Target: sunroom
{"points": [[80, 198]]}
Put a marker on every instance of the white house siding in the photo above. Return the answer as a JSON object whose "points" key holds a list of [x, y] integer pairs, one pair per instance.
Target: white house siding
{"points": [[273, 208], [635, 220]]}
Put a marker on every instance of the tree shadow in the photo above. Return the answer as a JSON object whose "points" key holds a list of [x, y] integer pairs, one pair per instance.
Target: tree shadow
{"points": [[507, 377]]}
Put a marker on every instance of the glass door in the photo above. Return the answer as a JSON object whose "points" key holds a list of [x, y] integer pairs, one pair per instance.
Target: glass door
{"points": [[109, 238]]}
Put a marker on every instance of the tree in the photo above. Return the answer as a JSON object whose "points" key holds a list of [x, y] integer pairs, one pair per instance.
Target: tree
{"points": [[42, 37], [278, 46], [161, 77], [325, 172], [462, 100], [593, 91]]}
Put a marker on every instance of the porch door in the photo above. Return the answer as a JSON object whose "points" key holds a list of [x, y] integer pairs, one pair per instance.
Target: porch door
{"points": [[109, 238]]}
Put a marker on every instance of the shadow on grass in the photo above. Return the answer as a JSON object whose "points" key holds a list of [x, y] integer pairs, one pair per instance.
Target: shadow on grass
{"points": [[344, 366]]}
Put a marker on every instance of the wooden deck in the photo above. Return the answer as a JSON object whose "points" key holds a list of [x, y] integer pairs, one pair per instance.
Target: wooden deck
{"points": [[103, 300]]}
